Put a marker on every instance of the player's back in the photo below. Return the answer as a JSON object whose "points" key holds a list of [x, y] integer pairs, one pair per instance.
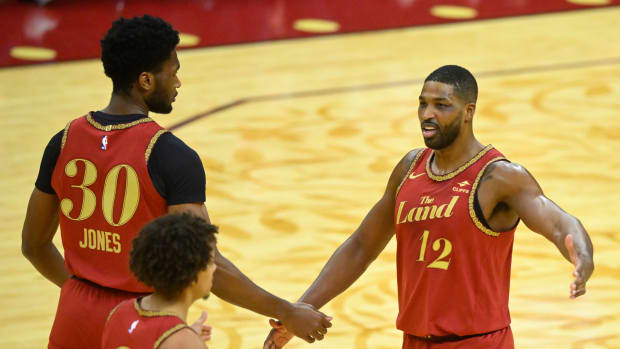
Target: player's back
{"points": [[133, 327], [106, 196]]}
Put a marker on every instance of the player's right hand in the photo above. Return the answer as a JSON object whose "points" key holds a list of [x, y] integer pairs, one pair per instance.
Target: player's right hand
{"points": [[307, 323], [583, 267], [278, 337]]}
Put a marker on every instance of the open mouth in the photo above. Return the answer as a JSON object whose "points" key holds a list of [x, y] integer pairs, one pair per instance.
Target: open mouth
{"points": [[429, 129]]}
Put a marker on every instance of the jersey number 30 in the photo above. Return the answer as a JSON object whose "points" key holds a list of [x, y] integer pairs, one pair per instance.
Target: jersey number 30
{"points": [[89, 199]]}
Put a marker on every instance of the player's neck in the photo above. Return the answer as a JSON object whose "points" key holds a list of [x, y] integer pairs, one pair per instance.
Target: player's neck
{"points": [[177, 306], [125, 104], [456, 154]]}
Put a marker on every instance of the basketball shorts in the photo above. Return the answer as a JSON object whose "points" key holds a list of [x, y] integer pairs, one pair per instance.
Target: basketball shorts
{"points": [[83, 309], [501, 339]]}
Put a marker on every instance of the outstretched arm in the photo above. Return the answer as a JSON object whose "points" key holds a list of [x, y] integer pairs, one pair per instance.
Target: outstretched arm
{"points": [[516, 187], [39, 229], [231, 285], [353, 257]]}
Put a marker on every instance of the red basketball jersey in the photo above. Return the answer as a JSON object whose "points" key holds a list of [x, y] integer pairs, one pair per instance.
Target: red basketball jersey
{"points": [[106, 196], [130, 326], [453, 272]]}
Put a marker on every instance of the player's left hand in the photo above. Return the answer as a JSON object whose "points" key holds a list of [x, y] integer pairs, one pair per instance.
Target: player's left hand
{"points": [[204, 331], [583, 267]]}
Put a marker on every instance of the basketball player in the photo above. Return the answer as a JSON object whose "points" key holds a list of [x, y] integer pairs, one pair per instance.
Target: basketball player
{"points": [[107, 174], [454, 207], [174, 254]]}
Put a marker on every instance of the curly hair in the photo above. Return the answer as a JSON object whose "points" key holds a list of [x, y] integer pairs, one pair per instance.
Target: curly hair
{"points": [[171, 250], [136, 45], [462, 81]]}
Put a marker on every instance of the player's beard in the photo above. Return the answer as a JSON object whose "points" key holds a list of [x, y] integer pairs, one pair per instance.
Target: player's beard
{"points": [[445, 136], [159, 102]]}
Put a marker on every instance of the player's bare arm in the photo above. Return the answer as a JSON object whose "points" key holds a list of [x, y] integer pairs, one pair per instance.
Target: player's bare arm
{"points": [[231, 285], [508, 191], [39, 229], [354, 256]]}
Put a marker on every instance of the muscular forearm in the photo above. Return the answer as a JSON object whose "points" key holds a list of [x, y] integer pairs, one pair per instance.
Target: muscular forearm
{"points": [[230, 284], [343, 268], [569, 225], [48, 261]]}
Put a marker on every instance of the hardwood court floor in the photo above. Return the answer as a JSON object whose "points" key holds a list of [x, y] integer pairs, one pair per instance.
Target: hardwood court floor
{"points": [[289, 177]]}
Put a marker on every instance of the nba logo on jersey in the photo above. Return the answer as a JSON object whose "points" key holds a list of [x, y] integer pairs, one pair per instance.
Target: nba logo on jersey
{"points": [[104, 143], [133, 326]]}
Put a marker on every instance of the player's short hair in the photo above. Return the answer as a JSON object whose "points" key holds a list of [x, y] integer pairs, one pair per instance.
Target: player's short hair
{"points": [[136, 45], [171, 250], [462, 81]]}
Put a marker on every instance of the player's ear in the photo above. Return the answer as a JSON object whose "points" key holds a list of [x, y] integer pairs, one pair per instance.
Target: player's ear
{"points": [[146, 81], [470, 109]]}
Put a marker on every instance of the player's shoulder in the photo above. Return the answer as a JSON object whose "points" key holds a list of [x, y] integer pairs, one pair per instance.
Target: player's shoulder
{"points": [[413, 154], [113, 312], [184, 338], [56, 140], [403, 166], [169, 141], [170, 149], [505, 170], [407, 161], [507, 176]]}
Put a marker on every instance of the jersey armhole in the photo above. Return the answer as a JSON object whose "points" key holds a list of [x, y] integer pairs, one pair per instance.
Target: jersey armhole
{"points": [[411, 167], [65, 132], [169, 333], [149, 148], [112, 312], [481, 223]]}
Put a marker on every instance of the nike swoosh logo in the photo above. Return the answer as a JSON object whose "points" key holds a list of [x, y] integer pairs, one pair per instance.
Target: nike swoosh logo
{"points": [[414, 176]]}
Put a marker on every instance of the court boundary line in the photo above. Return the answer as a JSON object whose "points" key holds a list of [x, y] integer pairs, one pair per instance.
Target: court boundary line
{"points": [[391, 84]]}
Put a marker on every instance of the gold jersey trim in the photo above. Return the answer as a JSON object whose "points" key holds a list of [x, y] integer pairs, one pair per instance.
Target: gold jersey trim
{"points": [[454, 173], [112, 312], [150, 313], [413, 163], [149, 148], [472, 195], [167, 334], [64, 135], [109, 128]]}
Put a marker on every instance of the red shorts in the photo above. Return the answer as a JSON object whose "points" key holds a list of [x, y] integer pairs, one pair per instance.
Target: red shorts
{"points": [[501, 339], [83, 308]]}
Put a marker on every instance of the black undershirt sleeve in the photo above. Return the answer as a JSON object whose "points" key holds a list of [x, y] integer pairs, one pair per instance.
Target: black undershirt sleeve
{"points": [[48, 162], [176, 171]]}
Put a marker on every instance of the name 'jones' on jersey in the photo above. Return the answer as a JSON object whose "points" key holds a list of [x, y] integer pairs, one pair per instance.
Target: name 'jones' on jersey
{"points": [[453, 272], [106, 196]]}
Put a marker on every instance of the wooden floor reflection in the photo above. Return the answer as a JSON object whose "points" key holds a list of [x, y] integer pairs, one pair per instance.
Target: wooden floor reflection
{"points": [[290, 177]]}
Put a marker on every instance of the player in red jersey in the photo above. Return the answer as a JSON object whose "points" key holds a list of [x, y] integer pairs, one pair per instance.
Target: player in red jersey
{"points": [[107, 174], [453, 207], [174, 254]]}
